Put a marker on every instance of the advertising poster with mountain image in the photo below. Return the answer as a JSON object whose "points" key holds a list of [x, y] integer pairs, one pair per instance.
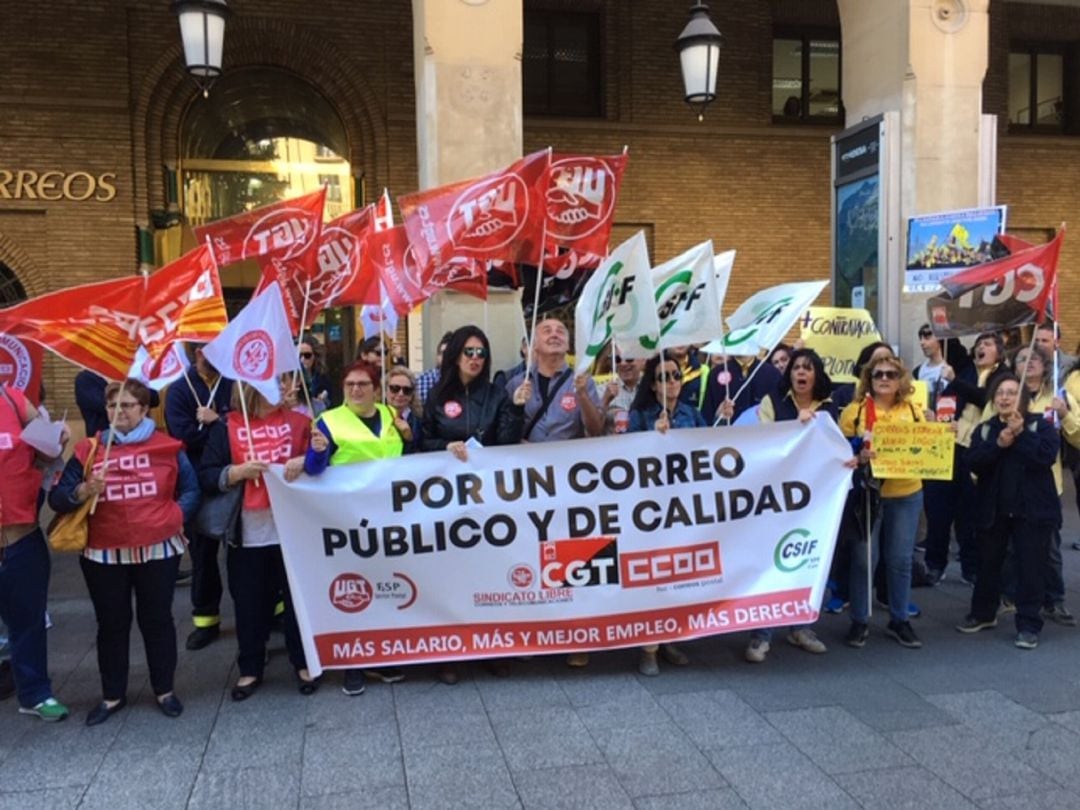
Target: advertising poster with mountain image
{"points": [[939, 245], [857, 224]]}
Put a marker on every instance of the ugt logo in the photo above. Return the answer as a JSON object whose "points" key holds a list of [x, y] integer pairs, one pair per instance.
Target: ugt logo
{"points": [[289, 230], [581, 196], [489, 214]]}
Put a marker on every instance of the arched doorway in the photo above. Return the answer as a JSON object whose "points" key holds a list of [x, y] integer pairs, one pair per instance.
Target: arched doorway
{"points": [[11, 289], [264, 134]]}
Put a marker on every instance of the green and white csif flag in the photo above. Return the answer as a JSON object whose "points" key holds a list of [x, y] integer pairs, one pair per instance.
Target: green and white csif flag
{"points": [[765, 317], [687, 304], [616, 303]]}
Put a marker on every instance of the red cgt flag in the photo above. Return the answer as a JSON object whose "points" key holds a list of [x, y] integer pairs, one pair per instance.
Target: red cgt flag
{"points": [[581, 196], [499, 216], [286, 229]]}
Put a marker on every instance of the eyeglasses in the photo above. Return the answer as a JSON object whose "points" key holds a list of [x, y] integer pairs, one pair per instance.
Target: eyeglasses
{"points": [[124, 406], [358, 383], [306, 355], [474, 352], [672, 376], [620, 359], [400, 389], [886, 374], [925, 333]]}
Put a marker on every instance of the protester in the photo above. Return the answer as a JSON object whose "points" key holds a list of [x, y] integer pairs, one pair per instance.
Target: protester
{"points": [[315, 379], [657, 406], [1049, 338], [135, 542], [90, 400], [1012, 454], [780, 357], [501, 377], [371, 350], [402, 396], [359, 430], [191, 406], [803, 394], [465, 410], [1067, 405], [426, 381], [272, 434], [883, 395], [736, 385], [692, 373], [619, 394], [24, 564]]}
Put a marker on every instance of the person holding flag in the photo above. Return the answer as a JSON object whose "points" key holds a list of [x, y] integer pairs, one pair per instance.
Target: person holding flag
{"points": [[145, 489], [191, 407]]}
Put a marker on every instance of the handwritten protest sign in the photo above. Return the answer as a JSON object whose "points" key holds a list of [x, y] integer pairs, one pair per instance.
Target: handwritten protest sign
{"points": [[838, 335], [913, 450]]}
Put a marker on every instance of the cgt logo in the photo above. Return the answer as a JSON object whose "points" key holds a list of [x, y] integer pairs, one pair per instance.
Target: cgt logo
{"points": [[661, 566], [795, 549], [579, 563]]}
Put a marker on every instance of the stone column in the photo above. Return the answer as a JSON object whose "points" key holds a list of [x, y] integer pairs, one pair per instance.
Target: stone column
{"points": [[467, 61], [925, 59]]}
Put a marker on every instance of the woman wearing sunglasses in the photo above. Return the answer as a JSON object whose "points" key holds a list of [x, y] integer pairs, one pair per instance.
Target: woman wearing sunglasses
{"points": [[318, 384], [358, 431], [883, 396], [466, 407], [403, 397], [656, 406]]}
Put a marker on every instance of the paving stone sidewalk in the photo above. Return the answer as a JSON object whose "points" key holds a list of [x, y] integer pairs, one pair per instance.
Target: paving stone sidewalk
{"points": [[965, 722]]}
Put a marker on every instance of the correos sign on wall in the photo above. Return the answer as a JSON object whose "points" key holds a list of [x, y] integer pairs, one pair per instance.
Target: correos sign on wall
{"points": [[77, 186]]}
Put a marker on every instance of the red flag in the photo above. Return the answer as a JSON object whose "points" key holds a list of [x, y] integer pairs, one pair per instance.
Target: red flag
{"points": [[286, 229], [499, 216], [341, 280], [389, 256], [182, 301], [91, 325], [20, 366], [581, 196], [467, 276]]}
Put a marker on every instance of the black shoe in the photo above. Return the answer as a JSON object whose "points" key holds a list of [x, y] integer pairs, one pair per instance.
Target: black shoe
{"points": [[7, 680], [183, 576], [904, 635], [102, 712], [448, 674], [1076, 546], [353, 684], [239, 692], [170, 706], [306, 687], [857, 635], [203, 636]]}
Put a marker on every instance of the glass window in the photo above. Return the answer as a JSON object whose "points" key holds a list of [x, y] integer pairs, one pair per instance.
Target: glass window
{"points": [[1036, 88], [561, 64], [806, 76], [11, 290]]}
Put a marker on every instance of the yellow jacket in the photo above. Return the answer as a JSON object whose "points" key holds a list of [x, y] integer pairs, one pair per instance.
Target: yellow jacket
{"points": [[853, 424]]}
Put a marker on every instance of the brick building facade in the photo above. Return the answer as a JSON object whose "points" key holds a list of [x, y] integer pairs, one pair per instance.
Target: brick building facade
{"points": [[98, 87]]}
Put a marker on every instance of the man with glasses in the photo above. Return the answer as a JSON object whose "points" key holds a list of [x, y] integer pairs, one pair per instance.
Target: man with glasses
{"points": [[619, 393], [426, 381]]}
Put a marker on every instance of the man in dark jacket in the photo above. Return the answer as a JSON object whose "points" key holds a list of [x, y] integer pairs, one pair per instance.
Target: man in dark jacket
{"points": [[726, 397]]}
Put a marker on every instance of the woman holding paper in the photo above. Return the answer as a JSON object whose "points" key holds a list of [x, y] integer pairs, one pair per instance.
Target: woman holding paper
{"points": [[238, 451], [145, 489], [803, 394], [883, 396], [1018, 505], [402, 395], [358, 431]]}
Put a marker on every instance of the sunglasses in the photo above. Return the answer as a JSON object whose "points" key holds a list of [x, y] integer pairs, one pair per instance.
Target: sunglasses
{"points": [[474, 351], [886, 374], [672, 376], [400, 389], [620, 359], [306, 355], [926, 333]]}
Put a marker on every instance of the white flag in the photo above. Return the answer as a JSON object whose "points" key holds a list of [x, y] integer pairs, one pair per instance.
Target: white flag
{"points": [[765, 317], [687, 305], [376, 320], [617, 303], [257, 347], [171, 367]]}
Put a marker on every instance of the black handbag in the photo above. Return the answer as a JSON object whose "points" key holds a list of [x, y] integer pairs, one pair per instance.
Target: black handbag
{"points": [[218, 517]]}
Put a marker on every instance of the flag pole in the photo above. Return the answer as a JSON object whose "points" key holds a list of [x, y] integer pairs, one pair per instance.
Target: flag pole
{"points": [[247, 425], [663, 379], [300, 339], [382, 338], [109, 441], [539, 280]]}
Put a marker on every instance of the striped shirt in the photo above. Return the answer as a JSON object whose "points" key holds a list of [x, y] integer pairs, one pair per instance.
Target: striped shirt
{"points": [[172, 547]]}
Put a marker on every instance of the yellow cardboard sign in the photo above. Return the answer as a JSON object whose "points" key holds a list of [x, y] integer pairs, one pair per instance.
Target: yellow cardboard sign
{"points": [[920, 395], [838, 334], [913, 450]]}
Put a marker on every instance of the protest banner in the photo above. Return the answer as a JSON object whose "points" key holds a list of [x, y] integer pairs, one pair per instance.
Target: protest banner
{"points": [[939, 245], [563, 546], [913, 450], [838, 334]]}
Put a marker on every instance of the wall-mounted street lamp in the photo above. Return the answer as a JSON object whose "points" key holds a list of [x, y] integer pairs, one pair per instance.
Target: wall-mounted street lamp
{"points": [[699, 55], [202, 30]]}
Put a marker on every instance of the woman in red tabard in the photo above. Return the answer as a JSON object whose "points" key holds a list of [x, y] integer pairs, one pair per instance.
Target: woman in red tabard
{"points": [[135, 543], [257, 579]]}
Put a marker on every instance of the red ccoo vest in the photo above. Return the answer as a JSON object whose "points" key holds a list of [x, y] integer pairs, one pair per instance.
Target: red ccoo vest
{"points": [[19, 479], [138, 506], [277, 438]]}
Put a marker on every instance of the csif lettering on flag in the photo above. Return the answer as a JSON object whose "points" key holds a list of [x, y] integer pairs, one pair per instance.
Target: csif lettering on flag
{"points": [[498, 216], [617, 303], [286, 229], [687, 306], [580, 203], [763, 319], [256, 347], [1002, 294]]}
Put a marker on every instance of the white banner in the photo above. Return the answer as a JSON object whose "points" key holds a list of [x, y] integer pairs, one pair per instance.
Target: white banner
{"points": [[565, 546], [763, 319], [687, 304]]}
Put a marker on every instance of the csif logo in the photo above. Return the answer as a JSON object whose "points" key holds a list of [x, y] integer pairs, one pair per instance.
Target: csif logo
{"points": [[795, 550], [674, 298]]}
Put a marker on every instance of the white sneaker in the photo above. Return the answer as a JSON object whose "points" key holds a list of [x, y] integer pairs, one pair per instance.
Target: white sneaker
{"points": [[806, 639], [756, 651]]}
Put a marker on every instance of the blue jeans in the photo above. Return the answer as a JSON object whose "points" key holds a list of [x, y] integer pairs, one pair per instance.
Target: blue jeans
{"points": [[893, 533], [24, 586]]}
